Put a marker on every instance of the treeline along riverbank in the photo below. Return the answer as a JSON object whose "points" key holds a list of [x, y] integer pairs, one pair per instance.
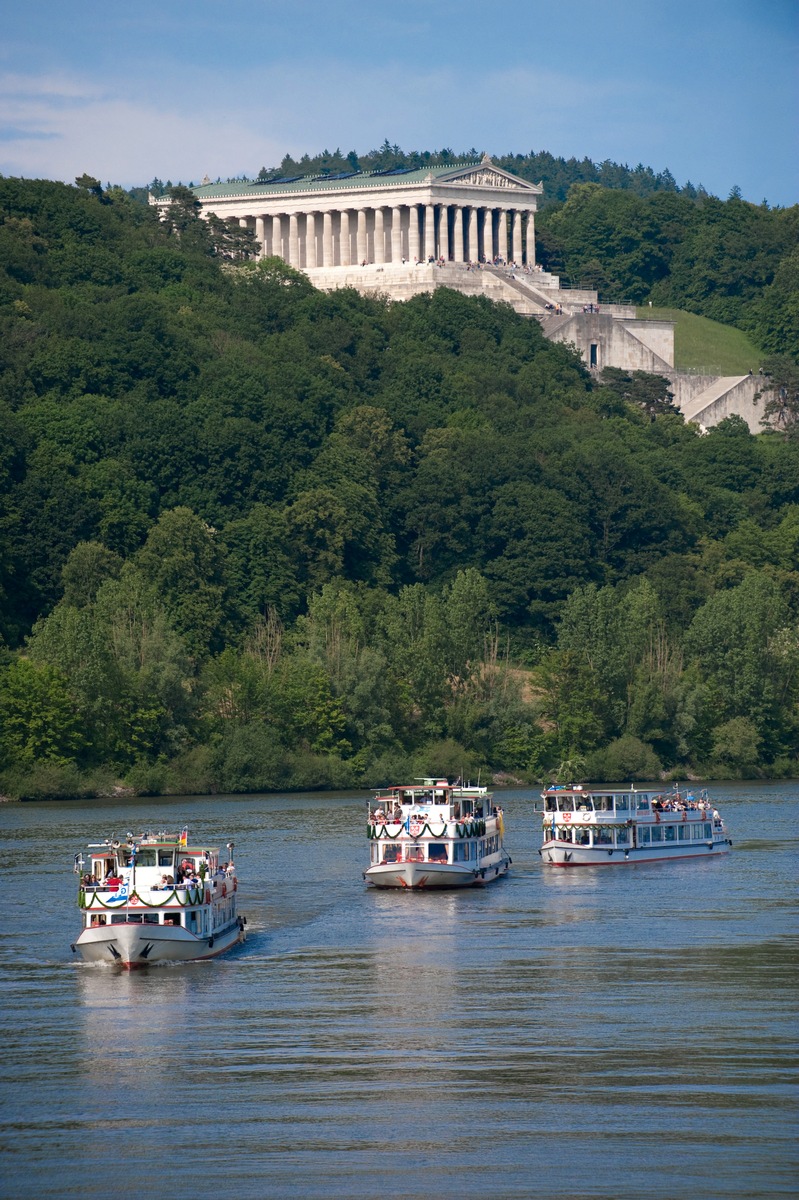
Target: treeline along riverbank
{"points": [[255, 536]]}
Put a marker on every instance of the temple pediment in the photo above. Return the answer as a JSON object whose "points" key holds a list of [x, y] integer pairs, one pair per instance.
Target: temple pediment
{"points": [[490, 177], [488, 174]]}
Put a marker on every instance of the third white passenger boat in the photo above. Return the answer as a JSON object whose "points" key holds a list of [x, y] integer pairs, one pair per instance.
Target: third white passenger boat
{"points": [[600, 826]]}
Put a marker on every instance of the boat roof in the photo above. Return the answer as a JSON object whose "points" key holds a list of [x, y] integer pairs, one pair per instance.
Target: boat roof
{"points": [[614, 789], [176, 841], [425, 785]]}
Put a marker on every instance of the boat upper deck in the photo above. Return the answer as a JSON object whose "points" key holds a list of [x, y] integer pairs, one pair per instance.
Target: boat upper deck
{"points": [[431, 800], [601, 805]]}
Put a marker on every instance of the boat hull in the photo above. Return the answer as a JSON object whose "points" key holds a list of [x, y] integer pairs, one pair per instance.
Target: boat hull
{"points": [[133, 946], [565, 854], [418, 876]]}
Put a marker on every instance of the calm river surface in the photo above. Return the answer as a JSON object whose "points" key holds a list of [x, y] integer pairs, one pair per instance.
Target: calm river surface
{"points": [[597, 1033]]}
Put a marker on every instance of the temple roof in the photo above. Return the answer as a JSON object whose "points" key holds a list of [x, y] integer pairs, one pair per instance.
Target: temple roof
{"points": [[347, 180]]}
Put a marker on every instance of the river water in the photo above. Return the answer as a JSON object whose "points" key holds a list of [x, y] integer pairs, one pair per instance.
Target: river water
{"points": [[617, 1032]]}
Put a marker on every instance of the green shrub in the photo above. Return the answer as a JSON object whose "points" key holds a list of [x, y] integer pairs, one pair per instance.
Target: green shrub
{"points": [[625, 758]]}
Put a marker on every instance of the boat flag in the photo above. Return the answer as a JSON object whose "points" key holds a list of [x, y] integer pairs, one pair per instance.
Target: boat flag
{"points": [[184, 836]]}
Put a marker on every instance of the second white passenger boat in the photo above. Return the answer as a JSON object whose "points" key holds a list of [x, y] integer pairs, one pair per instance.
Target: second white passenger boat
{"points": [[601, 826], [435, 834]]}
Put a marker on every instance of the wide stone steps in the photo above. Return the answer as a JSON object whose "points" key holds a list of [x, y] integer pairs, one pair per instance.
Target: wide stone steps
{"points": [[694, 408]]}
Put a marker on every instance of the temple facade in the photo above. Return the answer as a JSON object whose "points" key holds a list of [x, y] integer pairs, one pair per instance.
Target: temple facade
{"points": [[460, 213]]}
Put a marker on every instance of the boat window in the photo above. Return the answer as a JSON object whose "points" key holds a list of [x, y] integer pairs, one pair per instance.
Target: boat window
{"points": [[565, 804], [134, 918], [96, 919], [642, 803], [657, 833], [551, 804], [708, 831], [622, 802], [685, 833], [603, 837], [565, 833], [414, 853], [603, 803], [145, 858], [643, 836], [671, 833], [117, 918], [172, 919], [437, 852], [375, 852], [622, 837], [150, 918], [165, 858], [392, 853]]}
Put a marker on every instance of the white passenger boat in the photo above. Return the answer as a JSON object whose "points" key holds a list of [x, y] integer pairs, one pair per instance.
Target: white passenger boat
{"points": [[600, 826], [434, 834], [157, 898]]}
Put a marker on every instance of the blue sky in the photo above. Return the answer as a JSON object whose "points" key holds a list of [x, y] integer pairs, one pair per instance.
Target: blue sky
{"points": [[126, 92]]}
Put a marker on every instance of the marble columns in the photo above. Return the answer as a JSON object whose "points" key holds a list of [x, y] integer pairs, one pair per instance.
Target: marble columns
{"points": [[345, 251], [531, 238], [474, 248], [517, 237], [414, 248], [457, 235], [443, 233], [429, 231], [396, 235], [380, 236]]}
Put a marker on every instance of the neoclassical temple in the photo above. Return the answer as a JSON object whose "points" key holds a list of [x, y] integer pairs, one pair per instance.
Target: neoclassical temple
{"points": [[463, 212], [401, 232]]}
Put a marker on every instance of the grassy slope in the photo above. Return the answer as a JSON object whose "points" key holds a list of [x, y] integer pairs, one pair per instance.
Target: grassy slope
{"points": [[704, 345]]}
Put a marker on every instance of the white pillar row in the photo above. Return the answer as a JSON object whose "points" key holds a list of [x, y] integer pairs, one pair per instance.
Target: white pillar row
{"points": [[327, 240], [380, 236], [414, 249], [457, 235], [429, 231], [474, 248], [502, 235], [443, 232], [345, 249], [396, 235], [531, 238], [277, 237], [310, 240], [294, 240], [260, 236], [361, 246], [517, 237]]}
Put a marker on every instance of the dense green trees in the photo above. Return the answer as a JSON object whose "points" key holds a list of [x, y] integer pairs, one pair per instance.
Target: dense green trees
{"points": [[252, 535]]}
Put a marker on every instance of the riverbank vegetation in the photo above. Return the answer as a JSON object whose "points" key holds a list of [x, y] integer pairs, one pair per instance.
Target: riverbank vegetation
{"points": [[255, 536]]}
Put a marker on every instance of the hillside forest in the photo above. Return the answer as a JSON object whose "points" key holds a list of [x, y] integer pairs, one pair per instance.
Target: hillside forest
{"points": [[255, 536]]}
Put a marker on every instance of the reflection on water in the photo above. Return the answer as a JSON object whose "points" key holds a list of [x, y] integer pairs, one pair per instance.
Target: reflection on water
{"points": [[590, 1033]]}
